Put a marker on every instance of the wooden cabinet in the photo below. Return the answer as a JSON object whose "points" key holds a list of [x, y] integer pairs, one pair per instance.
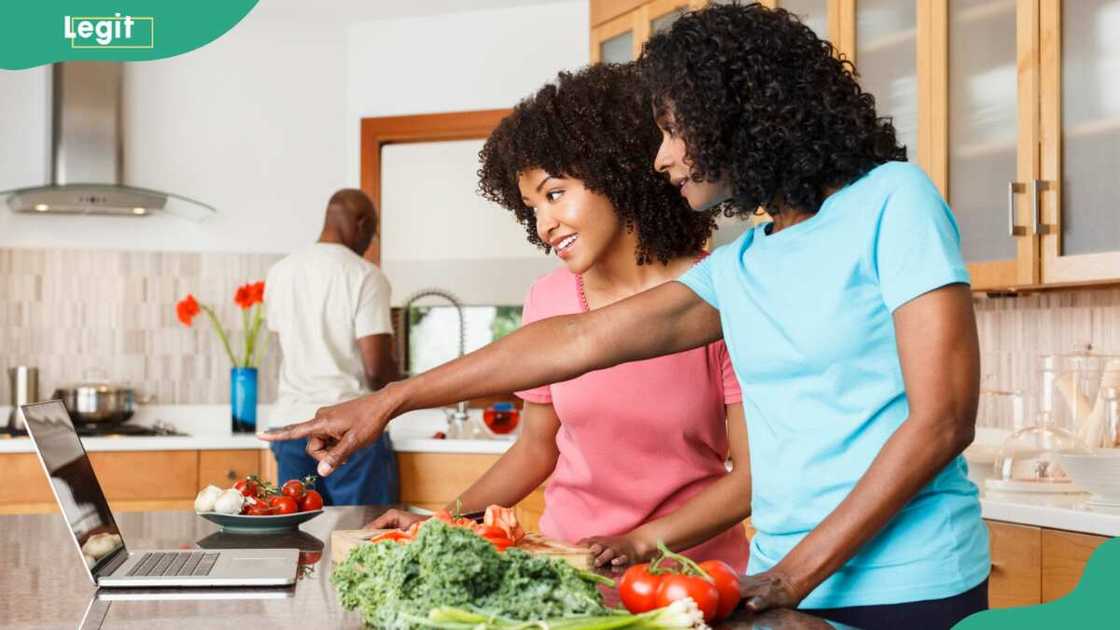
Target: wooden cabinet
{"points": [[222, 468], [619, 28], [1033, 565], [1064, 555], [1016, 578], [1020, 130], [432, 480], [133, 480], [1011, 107]]}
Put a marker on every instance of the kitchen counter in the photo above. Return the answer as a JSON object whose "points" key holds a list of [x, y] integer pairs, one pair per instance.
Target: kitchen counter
{"points": [[207, 428], [45, 586], [1058, 511]]}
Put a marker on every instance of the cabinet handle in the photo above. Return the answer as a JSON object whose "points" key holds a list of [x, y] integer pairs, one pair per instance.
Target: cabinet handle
{"points": [[1012, 229], [231, 475], [1036, 218]]}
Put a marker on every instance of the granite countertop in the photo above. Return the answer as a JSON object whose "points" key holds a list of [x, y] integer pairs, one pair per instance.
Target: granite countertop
{"points": [[208, 429], [48, 587]]}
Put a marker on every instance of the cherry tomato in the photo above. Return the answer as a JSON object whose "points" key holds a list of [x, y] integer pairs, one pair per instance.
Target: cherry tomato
{"points": [[727, 583], [282, 504], [311, 501], [293, 488], [638, 588], [247, 487], [260, 508], [703, 592]]}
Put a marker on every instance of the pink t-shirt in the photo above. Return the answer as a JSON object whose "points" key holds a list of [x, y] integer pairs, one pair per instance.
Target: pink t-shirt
{"points": [[637, 440]]}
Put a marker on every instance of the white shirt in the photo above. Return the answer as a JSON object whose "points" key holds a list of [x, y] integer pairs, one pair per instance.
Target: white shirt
{"points": [[320, 300]]}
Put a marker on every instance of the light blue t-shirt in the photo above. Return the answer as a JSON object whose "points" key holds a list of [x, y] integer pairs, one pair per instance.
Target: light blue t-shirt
{"points": [[806, 315]]}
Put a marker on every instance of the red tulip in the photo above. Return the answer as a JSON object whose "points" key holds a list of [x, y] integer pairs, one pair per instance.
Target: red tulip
{"points": [[256, 292], [244, 296], [187, 309]]}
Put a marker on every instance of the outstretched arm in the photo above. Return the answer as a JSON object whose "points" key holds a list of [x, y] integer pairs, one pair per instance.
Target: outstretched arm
{"points": [[664, 320]]}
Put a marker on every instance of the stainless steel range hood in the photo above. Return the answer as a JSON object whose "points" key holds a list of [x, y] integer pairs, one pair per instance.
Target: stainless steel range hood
{"points": [[87, 153]]}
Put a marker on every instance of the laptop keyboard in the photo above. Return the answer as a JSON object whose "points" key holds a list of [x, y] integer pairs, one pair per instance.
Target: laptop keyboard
{"points": [[174, 564]]}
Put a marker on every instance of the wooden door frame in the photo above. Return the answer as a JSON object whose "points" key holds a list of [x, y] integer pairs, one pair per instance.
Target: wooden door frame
{"points": [[377, 132]]}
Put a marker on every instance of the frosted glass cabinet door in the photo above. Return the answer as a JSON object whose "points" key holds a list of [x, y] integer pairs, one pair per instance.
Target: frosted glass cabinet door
{"points": [[1090, 120], [617, 49], [886, 57], [983, 125], [813, 13]]}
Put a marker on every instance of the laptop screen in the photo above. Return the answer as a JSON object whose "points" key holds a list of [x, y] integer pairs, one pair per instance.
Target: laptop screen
{"points": [[74, 483]]}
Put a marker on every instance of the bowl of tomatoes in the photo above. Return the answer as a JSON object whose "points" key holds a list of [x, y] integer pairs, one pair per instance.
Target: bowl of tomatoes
{"points": [[255, 506]]}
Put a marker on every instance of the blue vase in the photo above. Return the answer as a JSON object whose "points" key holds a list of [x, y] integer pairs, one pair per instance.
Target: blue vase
{"points": [[243, 399]]}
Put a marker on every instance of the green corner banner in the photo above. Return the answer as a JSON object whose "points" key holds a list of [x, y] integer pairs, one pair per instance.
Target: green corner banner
{"points": [[1093, 604], [45, 31]]}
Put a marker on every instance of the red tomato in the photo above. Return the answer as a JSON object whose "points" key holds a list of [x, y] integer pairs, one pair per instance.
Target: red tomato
{"points": [[703, 592], [490, 531], [394, 535], [501, 544], [260, 508], [638, 589], [727, 583], [311, 501], [246, 487], [283, 505], [293, 488], [310, 557]]}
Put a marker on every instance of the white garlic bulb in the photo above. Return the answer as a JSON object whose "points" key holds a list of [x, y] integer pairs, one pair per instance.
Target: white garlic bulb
{"points": [[229, 502], [204, 502]]}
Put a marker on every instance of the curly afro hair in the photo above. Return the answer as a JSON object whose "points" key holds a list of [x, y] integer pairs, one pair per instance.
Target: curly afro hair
{"points": [[596, 126], [756, 95]]}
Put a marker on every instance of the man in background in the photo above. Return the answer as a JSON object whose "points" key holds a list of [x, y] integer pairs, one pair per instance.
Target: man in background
{"points": [[330, 309]]}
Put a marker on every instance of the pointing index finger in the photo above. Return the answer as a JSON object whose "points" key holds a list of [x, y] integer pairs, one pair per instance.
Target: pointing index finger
{"points": [[290, 432]]}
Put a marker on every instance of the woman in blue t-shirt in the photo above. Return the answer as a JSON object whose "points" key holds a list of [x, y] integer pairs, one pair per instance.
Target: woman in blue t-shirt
{"points": [[848, 318]]}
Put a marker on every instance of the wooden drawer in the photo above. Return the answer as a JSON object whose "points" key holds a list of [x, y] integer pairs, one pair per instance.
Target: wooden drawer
{"points": [[1016, 578], [432, 480], [222, 468], [1064, 555], [428, 478], [24, 481], [147, 475], [127, 475], [136, 480]]}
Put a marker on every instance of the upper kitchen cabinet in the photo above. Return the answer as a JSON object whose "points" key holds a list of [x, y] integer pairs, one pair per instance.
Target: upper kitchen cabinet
{"points": [[1079, 109], [1011, 106], [1024, 130], [619, 28]]}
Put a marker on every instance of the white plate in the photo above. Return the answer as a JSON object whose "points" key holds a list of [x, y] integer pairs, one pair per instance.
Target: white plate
{"points": [[1032, 487]]}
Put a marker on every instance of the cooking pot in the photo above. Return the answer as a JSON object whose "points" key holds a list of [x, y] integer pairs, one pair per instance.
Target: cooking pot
{"points": [[98, 402]]}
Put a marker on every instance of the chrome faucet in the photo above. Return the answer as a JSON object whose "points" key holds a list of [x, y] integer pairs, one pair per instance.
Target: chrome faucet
{"points": [[457, 419]]}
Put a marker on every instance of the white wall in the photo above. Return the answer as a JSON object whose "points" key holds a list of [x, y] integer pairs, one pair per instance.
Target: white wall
{"points": [[466, 61], [249, 127], [263, 123], [438, 232]]}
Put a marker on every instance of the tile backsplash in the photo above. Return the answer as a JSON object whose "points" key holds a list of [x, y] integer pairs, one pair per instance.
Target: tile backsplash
{"points": [[71, 311], [67, 311], [1016, 331]]}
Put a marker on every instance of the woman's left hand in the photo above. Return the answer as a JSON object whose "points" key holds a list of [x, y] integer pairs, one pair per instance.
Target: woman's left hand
{"points": [[618, 551], [766, 590]]}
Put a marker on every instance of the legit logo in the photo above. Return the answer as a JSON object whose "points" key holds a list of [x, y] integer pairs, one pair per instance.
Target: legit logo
{"points": [[110, 32]]}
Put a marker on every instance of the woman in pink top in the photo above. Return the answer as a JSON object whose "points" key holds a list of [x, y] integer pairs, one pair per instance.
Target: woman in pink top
{"points": [[635, 453]]}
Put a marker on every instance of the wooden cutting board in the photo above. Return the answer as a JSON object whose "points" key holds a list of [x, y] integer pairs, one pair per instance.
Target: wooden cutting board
{"points": [[343, 540]]}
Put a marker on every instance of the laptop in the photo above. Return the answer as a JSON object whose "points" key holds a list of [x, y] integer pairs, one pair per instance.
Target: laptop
{"points": [[100, 544]]}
